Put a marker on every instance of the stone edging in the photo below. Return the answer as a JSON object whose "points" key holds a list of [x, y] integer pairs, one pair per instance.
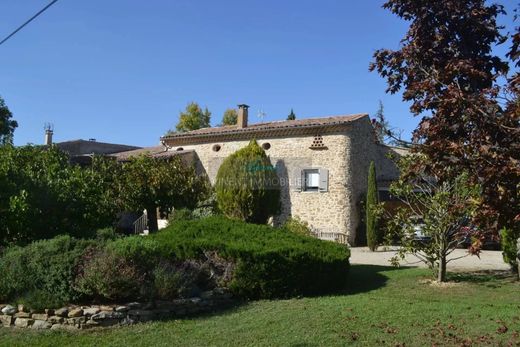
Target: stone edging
{"points": [[99, 316]]}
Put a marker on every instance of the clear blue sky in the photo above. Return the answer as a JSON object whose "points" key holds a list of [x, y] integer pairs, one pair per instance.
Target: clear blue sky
{"points": [[121, 70]]}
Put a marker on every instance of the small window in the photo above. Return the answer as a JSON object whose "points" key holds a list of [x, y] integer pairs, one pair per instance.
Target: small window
{"points": [[266, 145], [180, 149], [216, 148], [311, 180]]}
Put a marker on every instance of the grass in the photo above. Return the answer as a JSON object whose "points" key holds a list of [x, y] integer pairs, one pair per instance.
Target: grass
{"points": [[384, 306]]}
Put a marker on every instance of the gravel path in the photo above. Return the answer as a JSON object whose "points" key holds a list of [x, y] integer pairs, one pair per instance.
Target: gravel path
{"points": [[489, 260]]}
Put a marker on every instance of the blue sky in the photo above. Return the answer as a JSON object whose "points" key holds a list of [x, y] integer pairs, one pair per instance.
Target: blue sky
{"points": [[121, 70]]}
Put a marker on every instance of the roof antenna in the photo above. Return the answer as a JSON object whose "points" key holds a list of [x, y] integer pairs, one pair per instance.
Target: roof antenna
{"points": [[261, 114]]}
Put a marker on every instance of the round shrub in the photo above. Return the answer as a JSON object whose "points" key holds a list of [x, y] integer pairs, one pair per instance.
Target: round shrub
{"points": [[247, 186]]}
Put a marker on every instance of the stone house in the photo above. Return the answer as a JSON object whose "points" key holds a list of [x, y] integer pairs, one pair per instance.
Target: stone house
{"points": [[322, 164]]}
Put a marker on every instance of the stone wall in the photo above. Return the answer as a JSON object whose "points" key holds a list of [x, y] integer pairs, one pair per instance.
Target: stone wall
{"points": [[346, 156], [99, 316]]}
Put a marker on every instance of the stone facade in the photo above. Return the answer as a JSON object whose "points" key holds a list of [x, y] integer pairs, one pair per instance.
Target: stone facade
{"points": [[345, 152]]}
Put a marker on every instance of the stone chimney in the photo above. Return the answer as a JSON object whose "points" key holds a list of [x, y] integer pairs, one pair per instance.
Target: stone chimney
{"points": [[242, 116], [48, 134]]}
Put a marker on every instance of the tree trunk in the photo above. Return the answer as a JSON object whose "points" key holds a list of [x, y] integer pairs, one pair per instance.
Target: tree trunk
{"points": [[441, 275], [152, 219]]}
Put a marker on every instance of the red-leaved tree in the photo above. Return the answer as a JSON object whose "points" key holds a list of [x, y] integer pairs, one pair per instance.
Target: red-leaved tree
{"points": [[447, 69]]}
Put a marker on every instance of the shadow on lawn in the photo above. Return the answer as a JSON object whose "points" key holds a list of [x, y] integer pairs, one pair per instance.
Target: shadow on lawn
{"points": [[364, 278], [491, 278]]}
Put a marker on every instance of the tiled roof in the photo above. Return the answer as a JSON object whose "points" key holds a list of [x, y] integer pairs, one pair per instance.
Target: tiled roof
{"points": [[268, 127], [82, 147], [155, 151]]}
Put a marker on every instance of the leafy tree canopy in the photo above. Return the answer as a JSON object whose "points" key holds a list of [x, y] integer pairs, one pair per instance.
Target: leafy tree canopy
{"points": [[151, 184], [447, 69], [7, 125], [193, 118], [230, 117]]}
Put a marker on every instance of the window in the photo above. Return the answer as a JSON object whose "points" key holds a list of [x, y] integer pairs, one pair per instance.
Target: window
{"points": [[216, 148], [266, 146], [311, 180]]}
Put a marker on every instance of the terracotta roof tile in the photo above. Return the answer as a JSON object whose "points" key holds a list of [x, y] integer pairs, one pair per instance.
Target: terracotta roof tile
{"points": [[276, 125]]}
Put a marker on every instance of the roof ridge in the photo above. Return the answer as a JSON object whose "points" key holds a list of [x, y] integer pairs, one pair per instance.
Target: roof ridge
{"points": [[297, 123]]}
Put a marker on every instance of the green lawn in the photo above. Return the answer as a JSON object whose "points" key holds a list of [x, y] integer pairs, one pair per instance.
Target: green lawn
{"points": [[384, 306]]}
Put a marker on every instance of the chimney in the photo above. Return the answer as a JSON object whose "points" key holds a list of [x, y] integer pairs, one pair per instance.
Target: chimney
{"points": [[242, 116], [48, 134]]}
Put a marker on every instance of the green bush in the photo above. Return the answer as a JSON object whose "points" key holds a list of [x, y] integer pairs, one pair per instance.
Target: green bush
{"points": [[247, 186], [180, 214], [254, 261], [297, 226], [107, 276], [268, 262], [508, 241], [39, 300], [47, 267]]}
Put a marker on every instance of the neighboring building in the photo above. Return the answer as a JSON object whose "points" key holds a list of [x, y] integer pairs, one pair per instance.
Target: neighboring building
{"points": [[322, 164], [81, 151]]}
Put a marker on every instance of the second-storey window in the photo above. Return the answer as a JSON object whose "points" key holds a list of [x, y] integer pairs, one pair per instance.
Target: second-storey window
{"points": [[311, 180]]}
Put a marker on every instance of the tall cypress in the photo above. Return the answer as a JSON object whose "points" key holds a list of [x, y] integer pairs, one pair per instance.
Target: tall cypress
{"points": [[372, 201]]}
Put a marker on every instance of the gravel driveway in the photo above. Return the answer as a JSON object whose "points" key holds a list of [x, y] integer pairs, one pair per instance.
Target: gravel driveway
{"points": [[489, 260]]}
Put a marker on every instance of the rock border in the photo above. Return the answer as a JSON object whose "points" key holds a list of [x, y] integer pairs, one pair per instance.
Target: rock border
{"points": [[101, 316]]}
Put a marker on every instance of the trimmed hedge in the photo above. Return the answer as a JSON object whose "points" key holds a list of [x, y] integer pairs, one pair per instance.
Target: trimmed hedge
{"points": [[253, 261], [270, 262]]}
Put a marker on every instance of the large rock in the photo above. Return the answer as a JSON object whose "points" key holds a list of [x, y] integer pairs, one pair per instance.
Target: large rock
{"points": [[91, 311], [6, 320], [107, 315], [76, 312], [23, 322], [40, 316], [56, 319], [62, 312], [41, 324], [9, 310], [22, 314]]}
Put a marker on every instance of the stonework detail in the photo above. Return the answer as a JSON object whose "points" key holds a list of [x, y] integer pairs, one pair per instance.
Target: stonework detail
{"points": [[87, 317], [347, 156]]}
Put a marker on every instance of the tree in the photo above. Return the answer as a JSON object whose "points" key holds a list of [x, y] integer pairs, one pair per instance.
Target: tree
{"points": [[435, 217], [149, 184], [7, 125], [373, 234], [193, 118], [247, 186], [448, 71], [291, 115], [43, 195], [230, 117], [387, 134]]}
